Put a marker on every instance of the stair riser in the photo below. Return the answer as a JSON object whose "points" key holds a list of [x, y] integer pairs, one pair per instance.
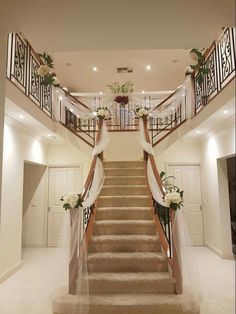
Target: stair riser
{"points": [[124, 202], [124, 164], [107, 191], [125, 172], [135, 286], [125, 247], [128, 265], [125, 181], [123, 214], [124, 229]]}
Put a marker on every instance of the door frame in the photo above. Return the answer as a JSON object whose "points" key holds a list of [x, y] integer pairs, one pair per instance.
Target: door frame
{"points": [[53, 166], [167, 164], [45, 175]]}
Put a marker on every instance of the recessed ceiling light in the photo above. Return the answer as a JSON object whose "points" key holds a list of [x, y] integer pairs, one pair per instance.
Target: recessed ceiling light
{"points": [[51, 136], [95, 69], [68, 64], [226, 111], [143, 92], [21, 116], [148, 67], [175, 61], [100, 93], [198, 131]]}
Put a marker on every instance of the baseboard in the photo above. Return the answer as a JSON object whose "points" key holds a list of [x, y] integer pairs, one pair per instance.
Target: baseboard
{"points": [[11, 271], [219, 253], [214, 250]]}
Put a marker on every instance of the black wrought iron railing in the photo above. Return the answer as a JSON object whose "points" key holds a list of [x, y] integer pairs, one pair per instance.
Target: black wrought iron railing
{"points": [[22, 66], [163, 214], [220, 59]]}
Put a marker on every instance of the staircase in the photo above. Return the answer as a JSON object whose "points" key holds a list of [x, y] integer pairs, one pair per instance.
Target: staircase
{"points": [[128, 274]]}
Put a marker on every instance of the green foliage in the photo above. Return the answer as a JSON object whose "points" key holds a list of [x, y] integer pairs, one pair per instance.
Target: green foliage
{"points": [[116, 88], [201, 68], [47, 59]]}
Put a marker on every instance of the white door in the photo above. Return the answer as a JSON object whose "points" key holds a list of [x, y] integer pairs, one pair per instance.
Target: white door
{"points": [[189, 180], [61, 182]]}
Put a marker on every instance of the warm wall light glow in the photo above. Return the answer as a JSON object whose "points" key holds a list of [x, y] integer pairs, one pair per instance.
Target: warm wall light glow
{"points": [[37, 151], [21, 116], [198, 132], [148, 67], [95, 69]]}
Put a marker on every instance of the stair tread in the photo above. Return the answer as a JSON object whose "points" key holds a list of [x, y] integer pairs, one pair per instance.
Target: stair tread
{"points": [[124, 222], [126, 186], [124, 196], [132, 237], [124, 255], [125, 208], [113, 276]]}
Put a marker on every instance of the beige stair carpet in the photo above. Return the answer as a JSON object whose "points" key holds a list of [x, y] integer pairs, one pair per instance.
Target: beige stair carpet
{"points": [[128, 274]]}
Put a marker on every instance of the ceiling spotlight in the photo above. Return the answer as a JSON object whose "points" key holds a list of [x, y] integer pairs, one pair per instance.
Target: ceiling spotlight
{"points": [[95, 69], [143, 92], [226, 111], [100, 93], [148, 67], [21, 116]]}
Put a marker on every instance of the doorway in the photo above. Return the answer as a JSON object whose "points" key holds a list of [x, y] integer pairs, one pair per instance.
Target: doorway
{"points": [[34, 217], [61, 181], [231, 169], [188, 179]]}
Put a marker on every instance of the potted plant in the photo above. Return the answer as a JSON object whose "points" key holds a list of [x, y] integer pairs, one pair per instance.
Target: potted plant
{"points": [[121, 91]]}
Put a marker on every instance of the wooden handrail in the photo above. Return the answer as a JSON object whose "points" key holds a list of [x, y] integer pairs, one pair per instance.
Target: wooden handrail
{"points": [[174, 262], [75, 260]]}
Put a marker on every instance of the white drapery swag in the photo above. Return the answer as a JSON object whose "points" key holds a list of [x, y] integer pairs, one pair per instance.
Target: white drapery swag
{"points": [[147, 147], [104, 140]]}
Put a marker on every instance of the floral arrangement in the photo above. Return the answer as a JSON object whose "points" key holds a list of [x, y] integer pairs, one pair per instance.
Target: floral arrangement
{"points": [[46, 71], [174, 196], [72, 200], [201, 67], [116, 88], [103, 112], [142, 111], [126, 88], [122, 99]]}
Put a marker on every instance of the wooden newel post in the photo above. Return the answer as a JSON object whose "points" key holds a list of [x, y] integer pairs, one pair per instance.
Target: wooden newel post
{"points": [[100, 122], [176, 259]]}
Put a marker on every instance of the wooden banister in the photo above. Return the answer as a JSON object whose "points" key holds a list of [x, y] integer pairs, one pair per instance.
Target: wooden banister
{"points": [[75, 260], [173, 261]]}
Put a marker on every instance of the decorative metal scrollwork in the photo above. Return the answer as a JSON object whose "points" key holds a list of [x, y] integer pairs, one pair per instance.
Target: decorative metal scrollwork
{"points": [[35, 86], [211, 77]]}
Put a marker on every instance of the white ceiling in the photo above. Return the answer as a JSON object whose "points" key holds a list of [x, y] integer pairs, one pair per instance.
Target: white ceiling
{"points": [[167, 69], [111, 33], [69, 25]]}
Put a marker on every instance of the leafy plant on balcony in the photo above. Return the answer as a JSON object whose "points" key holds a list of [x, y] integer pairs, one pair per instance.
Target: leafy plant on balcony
{"points": [[200, 68], [46, 71], [126, 88]]}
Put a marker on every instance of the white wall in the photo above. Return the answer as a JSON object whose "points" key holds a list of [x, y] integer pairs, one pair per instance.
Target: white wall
{"points": [[123, 146], [68, 155], [216, 211], [182, 152], [18, 147]]}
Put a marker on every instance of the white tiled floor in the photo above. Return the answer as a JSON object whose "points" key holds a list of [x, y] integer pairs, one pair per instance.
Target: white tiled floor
{"points": [[30, 290]]}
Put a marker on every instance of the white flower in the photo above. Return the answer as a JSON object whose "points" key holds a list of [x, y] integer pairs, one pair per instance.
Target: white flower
{"points": [[173, 197], [194, 57], [101, 112], [188, 70], [43, 70], [55, 81], [71, 199], [107, 114]]}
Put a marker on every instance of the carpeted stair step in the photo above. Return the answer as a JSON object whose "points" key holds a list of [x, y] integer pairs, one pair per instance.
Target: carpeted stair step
{"points": [[126, 262], [122, 180], [124, 164], [126, 213], [117, 190], [124, 201], [124, 227], [125, 172], [127, 304], [124, 243], [120, 283]]}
